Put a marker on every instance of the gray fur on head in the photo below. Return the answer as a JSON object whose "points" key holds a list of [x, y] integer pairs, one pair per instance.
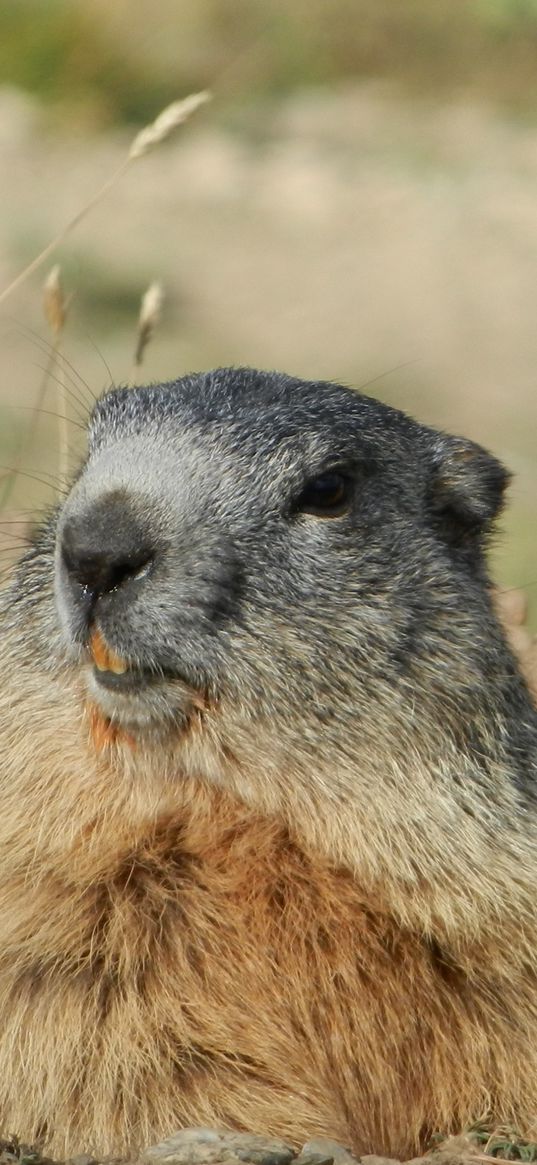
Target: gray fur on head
{"points": [[330, 649]]}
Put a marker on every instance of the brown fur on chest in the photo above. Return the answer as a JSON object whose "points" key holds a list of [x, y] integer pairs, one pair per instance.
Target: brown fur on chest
{"points": [[208, 972]]}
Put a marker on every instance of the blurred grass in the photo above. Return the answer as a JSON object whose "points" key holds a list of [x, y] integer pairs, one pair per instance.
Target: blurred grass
{"points": [[123, 61], [61, 52], [92, 66]]}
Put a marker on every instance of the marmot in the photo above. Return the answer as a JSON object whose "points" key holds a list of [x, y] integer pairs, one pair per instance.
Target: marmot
{"points": [[268, 821]]}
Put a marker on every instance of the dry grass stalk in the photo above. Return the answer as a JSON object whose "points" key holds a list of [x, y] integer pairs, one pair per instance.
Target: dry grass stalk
{"points": [[148, 319], [54, 304], [171, 117], [55, 308]]}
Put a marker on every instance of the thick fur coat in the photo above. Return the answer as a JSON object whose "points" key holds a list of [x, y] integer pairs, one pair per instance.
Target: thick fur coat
{"points": [[290, 885]]}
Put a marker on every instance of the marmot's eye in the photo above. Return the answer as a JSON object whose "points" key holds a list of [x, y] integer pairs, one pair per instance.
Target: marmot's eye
{"points": [[326, 496]]}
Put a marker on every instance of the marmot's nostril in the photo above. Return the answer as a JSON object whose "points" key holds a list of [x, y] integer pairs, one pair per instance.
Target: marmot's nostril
{"points": [[104, 570], [105, 545]]}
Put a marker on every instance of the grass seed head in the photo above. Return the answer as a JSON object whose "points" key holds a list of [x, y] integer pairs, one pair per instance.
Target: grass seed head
{"points": [[150, 312], [170, 117], [54, 302]]}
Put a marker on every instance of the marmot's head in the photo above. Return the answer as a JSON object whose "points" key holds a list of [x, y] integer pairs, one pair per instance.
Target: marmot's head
{"points": [[287, 559], [278, 587]]}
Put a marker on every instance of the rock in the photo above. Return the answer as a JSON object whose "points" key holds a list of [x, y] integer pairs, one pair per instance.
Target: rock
{"points": [[217, 1147], [457, 1150], [259, 1150], [187, 1147], [327, 1150], [313, 1159], [372, 1159]]}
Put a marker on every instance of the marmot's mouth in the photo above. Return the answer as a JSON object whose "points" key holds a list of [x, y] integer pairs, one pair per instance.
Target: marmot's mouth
{"points": [[106, 661], [116, 673], [131, 680], [127, 700], [113, 672]]}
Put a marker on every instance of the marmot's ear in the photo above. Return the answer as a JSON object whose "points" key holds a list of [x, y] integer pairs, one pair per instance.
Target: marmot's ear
{"points": [[467, 487]]}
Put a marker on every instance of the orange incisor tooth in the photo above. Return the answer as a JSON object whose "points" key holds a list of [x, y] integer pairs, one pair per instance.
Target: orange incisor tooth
{"points": [[104, 658]]}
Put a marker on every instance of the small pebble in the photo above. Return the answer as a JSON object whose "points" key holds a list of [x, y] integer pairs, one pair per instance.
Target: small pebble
{"points": [[332, 1149], [186, 1147], [313, 1159]]}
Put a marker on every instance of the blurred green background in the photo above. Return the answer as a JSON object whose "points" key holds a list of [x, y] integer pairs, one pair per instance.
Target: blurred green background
{"points": [[122, 60], [359, 202]]}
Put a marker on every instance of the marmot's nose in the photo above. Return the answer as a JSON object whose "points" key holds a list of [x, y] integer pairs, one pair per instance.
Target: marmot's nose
{"points": [[105, 545]]}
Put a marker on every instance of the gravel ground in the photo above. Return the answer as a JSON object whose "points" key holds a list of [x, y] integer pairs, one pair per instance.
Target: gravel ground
{"points": [[214, 1147]]}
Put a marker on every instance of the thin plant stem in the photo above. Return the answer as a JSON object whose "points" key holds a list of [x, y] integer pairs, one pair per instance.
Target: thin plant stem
{"points": [[65, 231], [147, 138]]}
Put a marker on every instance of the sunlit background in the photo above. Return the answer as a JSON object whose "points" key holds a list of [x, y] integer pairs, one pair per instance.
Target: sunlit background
{"points": [[358, 202]]}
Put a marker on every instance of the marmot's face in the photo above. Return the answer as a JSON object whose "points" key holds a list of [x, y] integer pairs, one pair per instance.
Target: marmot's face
{"points": [[264, 557]]}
